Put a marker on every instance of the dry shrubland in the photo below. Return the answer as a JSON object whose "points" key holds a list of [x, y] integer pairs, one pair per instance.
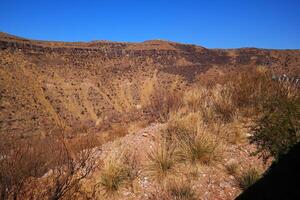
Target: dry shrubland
{"points": [[247, 105], [244, 106]]}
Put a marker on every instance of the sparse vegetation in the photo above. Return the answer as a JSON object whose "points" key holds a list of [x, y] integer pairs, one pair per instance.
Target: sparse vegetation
{"points": [[198, 122]]}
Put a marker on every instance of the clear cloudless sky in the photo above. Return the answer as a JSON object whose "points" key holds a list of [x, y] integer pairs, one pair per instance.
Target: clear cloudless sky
{"points": [[209, 23]]}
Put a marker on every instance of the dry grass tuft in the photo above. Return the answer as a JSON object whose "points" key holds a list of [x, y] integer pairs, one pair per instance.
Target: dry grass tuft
{"points": [[163, 102], [161, 161], [235, 132], [223, 105], [199, 100], [174, 190], [202, 147], [180, 190], [194, 98], [114, 175], [179, 126], [232, 168], [248, 178]]}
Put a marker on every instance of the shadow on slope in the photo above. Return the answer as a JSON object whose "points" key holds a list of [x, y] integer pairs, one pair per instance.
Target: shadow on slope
{"points": [[280, 182]]}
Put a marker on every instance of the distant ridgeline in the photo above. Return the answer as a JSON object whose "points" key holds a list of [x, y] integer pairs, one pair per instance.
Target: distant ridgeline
{"points": [[295, 80]]}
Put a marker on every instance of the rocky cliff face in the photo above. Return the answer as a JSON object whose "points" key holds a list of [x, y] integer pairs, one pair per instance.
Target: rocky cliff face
{"points": [[77, 83]]}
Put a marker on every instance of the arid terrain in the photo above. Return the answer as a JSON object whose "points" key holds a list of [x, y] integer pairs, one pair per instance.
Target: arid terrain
{"points": [[139, 99], [89, 83]]}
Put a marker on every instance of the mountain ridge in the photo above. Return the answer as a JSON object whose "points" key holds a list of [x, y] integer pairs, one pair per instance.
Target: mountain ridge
{"points": [[89, 83]]}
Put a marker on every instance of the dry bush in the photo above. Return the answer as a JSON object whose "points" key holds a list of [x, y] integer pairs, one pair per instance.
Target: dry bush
{"points": [[147, 89], [11, 162], [213, 104], [277, 130], [161, 161], [194, 98], [133, 164], [25, 160], [77, 165], [22, 159], [163, 102], [251, 89]]}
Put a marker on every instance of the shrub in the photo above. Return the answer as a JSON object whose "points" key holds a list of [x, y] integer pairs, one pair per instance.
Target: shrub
{"points": [[278, 129], [248, 178], [24, 160], [275, 107]]}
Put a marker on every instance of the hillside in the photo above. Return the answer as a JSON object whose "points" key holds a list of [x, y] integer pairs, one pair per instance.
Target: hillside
{"points": [[97, 83], [155, 120]]}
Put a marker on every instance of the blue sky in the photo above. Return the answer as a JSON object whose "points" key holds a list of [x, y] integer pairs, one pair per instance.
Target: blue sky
{"points": [[210, 23]]}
